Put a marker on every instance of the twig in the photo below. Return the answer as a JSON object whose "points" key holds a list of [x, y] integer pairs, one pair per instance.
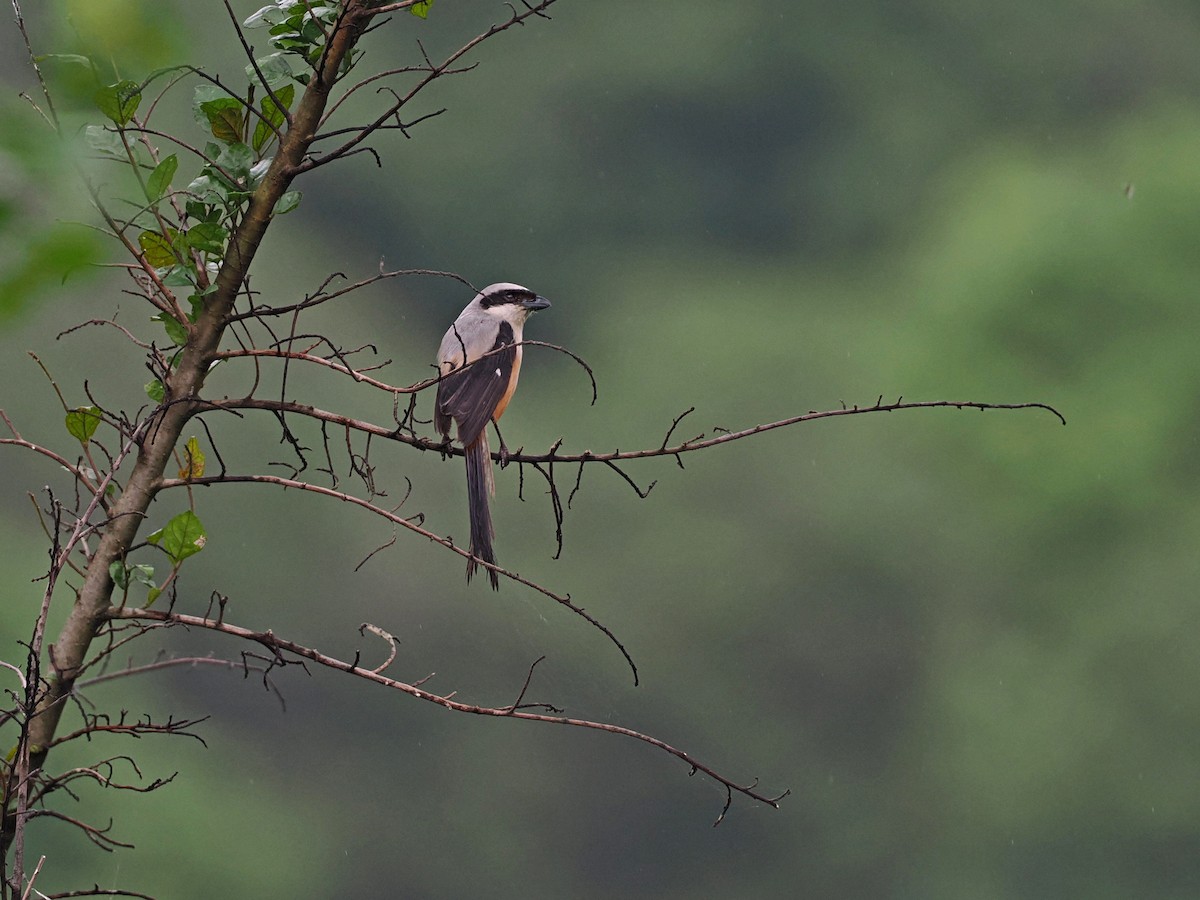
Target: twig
{"points": [[393, 643]]}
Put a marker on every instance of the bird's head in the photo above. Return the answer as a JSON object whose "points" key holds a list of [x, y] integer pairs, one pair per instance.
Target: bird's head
{"points": [[510, 302]]}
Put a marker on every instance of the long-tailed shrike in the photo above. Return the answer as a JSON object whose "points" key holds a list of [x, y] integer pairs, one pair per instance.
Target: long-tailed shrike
{"points": [[478, 394]]}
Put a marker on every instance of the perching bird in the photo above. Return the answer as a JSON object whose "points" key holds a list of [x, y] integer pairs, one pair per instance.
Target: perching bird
{"points": [[480, 393]]}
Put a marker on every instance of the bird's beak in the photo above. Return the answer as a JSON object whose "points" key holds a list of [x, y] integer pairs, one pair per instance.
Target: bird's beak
{"points": [[536, 303]]}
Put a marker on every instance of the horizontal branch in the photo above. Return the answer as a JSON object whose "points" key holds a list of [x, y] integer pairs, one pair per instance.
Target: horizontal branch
{"points": [[702, 442], [277, 646], [98, 891]]}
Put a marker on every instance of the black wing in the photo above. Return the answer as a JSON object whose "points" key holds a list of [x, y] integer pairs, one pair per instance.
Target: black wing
{"points": [[470, 396]]}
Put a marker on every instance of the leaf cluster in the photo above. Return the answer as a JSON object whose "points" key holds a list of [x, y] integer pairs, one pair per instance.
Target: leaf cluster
{"points": [[182, 233], [301, 29]]}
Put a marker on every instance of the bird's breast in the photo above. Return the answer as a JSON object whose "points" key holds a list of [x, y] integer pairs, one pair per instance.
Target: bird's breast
{"points": [[512, 385]]}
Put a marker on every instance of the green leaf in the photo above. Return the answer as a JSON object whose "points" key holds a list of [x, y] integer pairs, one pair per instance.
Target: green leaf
{"points": [[180, 276], [208, 99], [226, 118], [119, 575], [124, 575], [326, 12], [151, 595], [262, 134], [119, 101], [311, 31], [156, 391], [158, 248], [207, 237], [73, 58], [174, 328], [197, 210], [193, 460], [160, 178], [421, 9], [258, 18], [180, 538], [82, 423], [208, 190], [285, 95], [235, 160], [272, 115], [104, 141], [275, 69], [287, 202], [266, 15]]}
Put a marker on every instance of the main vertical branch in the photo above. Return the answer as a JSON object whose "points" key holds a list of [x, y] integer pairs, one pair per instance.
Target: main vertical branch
{"points": [[182, 394]]}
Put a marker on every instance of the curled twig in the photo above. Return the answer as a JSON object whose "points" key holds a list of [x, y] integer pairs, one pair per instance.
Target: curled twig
{"points": [[393, 643]]}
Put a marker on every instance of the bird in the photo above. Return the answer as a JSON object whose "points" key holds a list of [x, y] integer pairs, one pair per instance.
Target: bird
{"points": [[471, 396]]}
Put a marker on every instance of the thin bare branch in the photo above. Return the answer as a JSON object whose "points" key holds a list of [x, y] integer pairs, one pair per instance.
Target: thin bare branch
{"points": [[434, 72], [98, 836], [98, 891], [276, 645], [320, 296], [50, 115], [94, 725], [191, 662], [121, 328], [356, 374], [371, 79]]}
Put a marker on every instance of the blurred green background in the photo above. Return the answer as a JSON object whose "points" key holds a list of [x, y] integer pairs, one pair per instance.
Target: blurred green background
{"points": [[966, 642]]}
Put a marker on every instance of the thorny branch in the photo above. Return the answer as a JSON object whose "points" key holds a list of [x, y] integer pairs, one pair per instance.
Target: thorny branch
{"points": [[543, 463], [278, 646]]}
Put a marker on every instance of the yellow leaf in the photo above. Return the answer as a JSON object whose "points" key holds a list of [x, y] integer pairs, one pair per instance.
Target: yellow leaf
{"points": [[193, 460]]}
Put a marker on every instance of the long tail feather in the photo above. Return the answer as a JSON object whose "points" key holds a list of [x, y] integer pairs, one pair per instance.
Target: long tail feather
{"points": [[479, 486]]}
